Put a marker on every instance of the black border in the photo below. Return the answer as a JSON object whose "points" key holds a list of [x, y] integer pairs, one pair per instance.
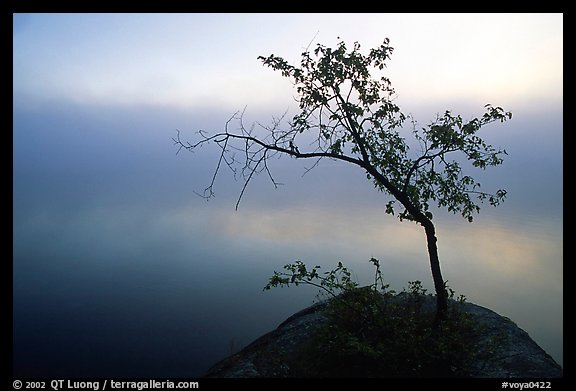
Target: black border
{"points": [[43, 6]]}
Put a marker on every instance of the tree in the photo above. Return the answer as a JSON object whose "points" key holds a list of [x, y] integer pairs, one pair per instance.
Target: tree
{"points": [[352, 117]]}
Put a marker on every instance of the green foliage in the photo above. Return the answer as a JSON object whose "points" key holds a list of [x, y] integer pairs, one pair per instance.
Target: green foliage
{"points": [[375, 332], [331, 282], [354, 115]]}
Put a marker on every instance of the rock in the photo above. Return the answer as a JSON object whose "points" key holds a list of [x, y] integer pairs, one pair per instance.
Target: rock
{"points": [[503, 349]]}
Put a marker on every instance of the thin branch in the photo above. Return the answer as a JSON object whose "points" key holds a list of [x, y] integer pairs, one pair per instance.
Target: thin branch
{"points": [[248, 180], [307, 170], [352, 128], [255, 151]]}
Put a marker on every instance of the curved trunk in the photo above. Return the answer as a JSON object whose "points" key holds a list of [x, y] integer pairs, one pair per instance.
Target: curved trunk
{"points": [[439, 285], [422, 219]]}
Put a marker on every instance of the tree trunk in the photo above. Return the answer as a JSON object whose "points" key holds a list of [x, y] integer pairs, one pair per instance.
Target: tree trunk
{"points": [[422, 219], [439, 286]]}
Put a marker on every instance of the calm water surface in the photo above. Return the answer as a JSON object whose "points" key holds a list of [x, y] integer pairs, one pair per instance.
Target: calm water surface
{"points": [[120, 270], [119, 293]]}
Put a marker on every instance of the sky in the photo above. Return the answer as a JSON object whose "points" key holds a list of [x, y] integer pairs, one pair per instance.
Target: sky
{"points": [[114, 252]]}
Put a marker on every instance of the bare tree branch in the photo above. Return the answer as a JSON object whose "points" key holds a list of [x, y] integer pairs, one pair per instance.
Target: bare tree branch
{"points": [[255, 151]]}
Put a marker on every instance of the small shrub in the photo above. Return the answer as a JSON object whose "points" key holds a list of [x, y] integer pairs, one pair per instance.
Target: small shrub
{"points": [[375, 332]]}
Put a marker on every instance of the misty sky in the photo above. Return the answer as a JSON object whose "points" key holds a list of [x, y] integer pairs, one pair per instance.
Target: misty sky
{"points": [[113, 251]]}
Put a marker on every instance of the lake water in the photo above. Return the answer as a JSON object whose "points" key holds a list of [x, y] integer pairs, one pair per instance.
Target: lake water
{"points": [[119, 270], [124, 292]]}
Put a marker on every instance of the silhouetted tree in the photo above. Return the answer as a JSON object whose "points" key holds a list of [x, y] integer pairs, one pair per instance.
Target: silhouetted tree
{"points": [[352, 117]]}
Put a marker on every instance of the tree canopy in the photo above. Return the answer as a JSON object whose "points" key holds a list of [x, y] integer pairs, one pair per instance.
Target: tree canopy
{"points": [[346, 104], [354, 116]]}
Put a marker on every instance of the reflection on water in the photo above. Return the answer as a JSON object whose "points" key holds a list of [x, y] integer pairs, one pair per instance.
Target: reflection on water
{"points": [[119, 270], [125, 293]]}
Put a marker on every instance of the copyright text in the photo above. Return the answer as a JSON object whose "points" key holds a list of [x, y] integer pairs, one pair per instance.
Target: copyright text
{"points": [[98, 385]]}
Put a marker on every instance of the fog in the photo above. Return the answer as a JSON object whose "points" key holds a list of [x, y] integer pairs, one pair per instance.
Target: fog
{"points": [[120, 269]]}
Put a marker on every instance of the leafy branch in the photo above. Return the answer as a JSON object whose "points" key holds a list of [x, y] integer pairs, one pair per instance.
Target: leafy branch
{"points": [[351, 116]]}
